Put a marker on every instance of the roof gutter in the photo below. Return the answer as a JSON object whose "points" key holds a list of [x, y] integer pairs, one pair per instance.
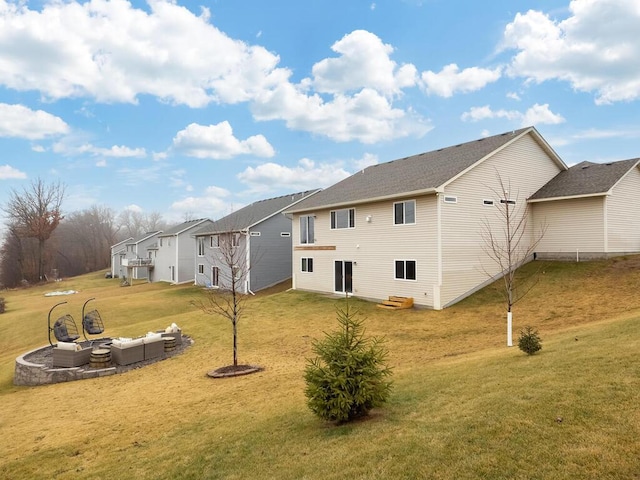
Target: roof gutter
{"points": [[569, 197], [427, 191]]}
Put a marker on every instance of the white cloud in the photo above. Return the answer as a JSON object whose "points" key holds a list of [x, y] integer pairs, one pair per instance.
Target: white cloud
{"points": [[364, 63], [451, 80], [19, 121], [536, 115], [110, 51], [101, 163], [218, 142], [304, 176], [8, 172], [114, 52], [134, 208], [70, 147], [367, 160], [513, 96], [595, 49], [213, 203]]}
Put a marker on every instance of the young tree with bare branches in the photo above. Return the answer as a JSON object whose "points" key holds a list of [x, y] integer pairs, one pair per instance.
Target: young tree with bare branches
{"points": [[36, 212], [509, 242]]}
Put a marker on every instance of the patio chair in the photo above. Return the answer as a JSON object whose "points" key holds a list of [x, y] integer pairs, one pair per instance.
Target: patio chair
{"points": [[92, 323], [64, 328]]}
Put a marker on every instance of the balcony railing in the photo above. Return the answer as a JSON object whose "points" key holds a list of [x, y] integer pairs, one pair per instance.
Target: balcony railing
{"points": [[137, 262]]}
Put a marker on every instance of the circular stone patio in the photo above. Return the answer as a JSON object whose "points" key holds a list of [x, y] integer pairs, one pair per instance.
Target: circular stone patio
{"points": [[36, 366]]}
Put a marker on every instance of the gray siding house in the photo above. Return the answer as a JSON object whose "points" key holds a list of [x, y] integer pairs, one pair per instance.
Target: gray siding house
{"points": [[139, 260], [256, 240], [118, 254], [176, 251]]}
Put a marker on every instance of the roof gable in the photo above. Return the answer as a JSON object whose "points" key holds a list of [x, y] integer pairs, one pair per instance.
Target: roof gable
{"points": [[183, 227], [585, 179], [255, 213], [423, 173]]}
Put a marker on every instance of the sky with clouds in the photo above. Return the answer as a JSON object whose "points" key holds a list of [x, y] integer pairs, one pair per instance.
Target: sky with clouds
{"points": [[194, 109]]}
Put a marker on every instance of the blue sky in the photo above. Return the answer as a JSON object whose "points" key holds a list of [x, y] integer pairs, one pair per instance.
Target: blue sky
{"points": [[196, 108]]}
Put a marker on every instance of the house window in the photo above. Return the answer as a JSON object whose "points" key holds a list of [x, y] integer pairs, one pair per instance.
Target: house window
{"points": [[345, 218], [405, 269], [214, 241], [201, 247], [508, 202], [307, 265], [404, 212], [215, 274], [487, 203], [285, 234], [172, 271], [306, 229], [235, 239], [200, 268], [450, 199], [255, 234], [161, 241]]}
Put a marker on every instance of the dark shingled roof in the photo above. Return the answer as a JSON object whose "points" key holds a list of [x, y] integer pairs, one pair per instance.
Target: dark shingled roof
{"points": [[418, 173], [585, 179], [181, 227], [254, 213]]}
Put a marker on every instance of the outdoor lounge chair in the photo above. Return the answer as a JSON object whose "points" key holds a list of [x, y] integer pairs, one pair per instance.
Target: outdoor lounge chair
{"points": [[64, 328], [70, 355], [92, 323]]}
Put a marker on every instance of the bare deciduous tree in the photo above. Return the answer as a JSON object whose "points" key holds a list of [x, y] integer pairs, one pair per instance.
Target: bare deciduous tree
{"points": [[227, 296], [135, 224], [36, 213], [509, 242]]}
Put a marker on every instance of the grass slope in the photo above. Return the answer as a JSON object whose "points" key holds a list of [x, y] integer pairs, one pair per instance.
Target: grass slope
{"points": [[463, 406]]}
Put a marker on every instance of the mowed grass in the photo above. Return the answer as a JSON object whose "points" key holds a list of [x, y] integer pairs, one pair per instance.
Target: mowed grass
{"points": [[464, 406]]}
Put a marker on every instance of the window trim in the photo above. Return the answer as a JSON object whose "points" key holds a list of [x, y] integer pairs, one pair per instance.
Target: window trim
{"points": [[487, 202], [404, 210], [201, 269], [215, 277], [285, 234], [351, 218], [310, 232], [254, 234], [201, 246], [306, 264], [507, 201], [217, 242], [405, 261]]}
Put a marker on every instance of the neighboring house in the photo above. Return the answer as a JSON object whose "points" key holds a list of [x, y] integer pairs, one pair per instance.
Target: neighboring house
{"points": [[118, 253], [140, 259], [257, 238], [412, 227], [591, 210], [176, 251]]}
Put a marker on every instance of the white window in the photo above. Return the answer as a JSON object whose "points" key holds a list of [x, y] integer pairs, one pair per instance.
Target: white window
{"points": [[487, 203], [450, 199], [404, 212], [508, 202], [235, 239], [201, 247], [307, 265], [214, 241], [285, 234], [160, 241], [215, 274], [255, 234], [345, 218], [200, 268], [405, 270], [307, 229]]}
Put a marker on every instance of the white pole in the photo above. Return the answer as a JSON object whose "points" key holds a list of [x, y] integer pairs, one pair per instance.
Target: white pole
{"points": [[509, 327]]}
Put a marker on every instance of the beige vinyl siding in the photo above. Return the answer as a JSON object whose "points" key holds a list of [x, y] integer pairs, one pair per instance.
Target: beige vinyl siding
{"points": [[524, 167], [373, 246], [573, 225], [623, 214]]}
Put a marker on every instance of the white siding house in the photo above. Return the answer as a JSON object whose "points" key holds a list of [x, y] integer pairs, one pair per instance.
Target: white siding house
{"points": [[412, 227], [591, 210], [118, 254], [176, 252]]}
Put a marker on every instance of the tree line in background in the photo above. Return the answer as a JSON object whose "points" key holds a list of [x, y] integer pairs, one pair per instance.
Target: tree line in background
{"points": [[41, 242]]}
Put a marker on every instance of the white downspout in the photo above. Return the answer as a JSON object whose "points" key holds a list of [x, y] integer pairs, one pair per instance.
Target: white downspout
{"points": [[177, 280], [437, 304], [248, 261]]}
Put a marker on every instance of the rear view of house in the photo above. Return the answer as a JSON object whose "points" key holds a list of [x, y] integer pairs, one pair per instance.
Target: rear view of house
{"points": [[591, 210], [412, 227], [254, 241]]}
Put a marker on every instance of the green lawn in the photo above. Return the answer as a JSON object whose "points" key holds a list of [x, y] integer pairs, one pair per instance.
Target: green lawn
{"points": [[464, 406]]}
